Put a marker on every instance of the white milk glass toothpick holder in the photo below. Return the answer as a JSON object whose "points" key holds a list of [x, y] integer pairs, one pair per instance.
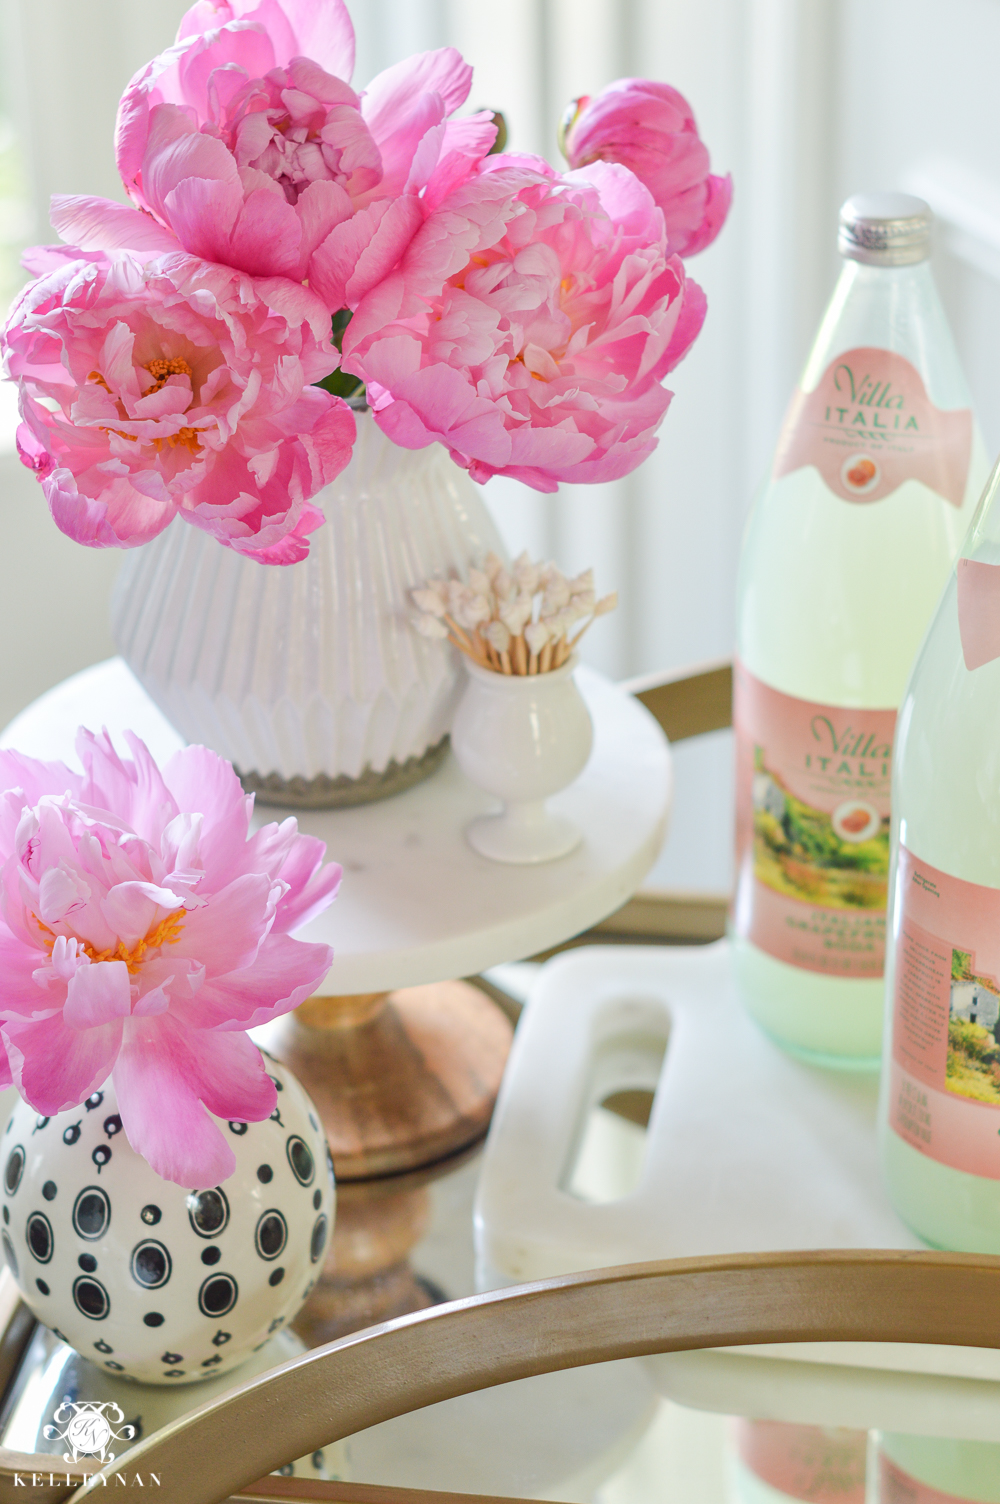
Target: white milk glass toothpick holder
{"points": [[522, 738], [522, 730]]}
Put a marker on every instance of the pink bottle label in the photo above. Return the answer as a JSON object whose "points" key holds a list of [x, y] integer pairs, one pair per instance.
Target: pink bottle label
{"points": [[979, 611], [870, 425], [818, 1464], [812, 829], [945, 1073], [897, 1487]]}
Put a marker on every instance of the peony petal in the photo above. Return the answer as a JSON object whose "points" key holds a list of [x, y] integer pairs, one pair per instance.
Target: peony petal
{"points": [[361, 251], [465, 142], [689, 323], [265, 237], [60, 891], [320, 206], [163, 1076], [199, 779], [202, 212], [312, 884], [160, 1106], [132, 129], [297, 28], [382, 248], [121, 517], [98, 994], [323, 33], [176, 151], [153, 1002], [284, 974], [99, 224], [717, 204], [20, 991], [388, 99], [328, 444], [232, 1078], [189, 76], [226, 931], [132, 909], [34, 777], [153, 806], [55, 1067]]}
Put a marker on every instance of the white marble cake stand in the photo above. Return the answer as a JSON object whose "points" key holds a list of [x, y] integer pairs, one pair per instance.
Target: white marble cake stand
{"points": [[417, 903], [404, 1081]]}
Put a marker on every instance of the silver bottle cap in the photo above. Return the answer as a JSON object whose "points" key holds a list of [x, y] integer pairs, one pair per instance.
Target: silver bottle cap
{"points": [[885, 229]]}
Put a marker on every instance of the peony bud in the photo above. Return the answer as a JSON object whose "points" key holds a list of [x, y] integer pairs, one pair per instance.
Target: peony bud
{"points": [[649, 128]]}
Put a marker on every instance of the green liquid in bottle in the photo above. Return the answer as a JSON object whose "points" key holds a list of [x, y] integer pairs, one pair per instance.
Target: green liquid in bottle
{"points": [[946, 803], [834, 598]]}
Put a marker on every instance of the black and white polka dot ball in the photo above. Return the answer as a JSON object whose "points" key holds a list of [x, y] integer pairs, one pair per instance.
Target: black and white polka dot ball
{"points": [[149, 1279]]}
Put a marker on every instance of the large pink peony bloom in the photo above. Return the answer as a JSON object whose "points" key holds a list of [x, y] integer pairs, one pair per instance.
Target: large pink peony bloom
{"points": [[528, 326], [245, 144], [142, 932], [649, 128], [176, 386]]}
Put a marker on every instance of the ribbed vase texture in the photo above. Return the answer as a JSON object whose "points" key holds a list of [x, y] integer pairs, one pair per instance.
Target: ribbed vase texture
{"points": [[312, 670]]}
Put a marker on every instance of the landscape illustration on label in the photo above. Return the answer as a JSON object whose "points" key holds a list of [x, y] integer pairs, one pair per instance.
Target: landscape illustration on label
{"points": [[812, 829], [944, 1086], [838, 859], [973, 1068]]}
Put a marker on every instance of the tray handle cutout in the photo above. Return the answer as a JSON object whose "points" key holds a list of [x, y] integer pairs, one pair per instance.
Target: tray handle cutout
{"points": [[607, 1150]]}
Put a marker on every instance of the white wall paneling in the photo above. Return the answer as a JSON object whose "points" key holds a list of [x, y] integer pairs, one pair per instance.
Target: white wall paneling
{"points": [[915, 108], [66, 65], [53, 595]]}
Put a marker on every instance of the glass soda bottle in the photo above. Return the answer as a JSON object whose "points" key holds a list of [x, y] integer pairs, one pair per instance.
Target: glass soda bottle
{"points": [[932, 1470], [849, 543], [775, 1461], [940, 1100]]}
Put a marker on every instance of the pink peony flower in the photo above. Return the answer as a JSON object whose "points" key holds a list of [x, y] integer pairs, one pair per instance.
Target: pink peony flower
{"points": [[142, 932], [245, 144], [649, 128], [175, 386], [528, 326]]}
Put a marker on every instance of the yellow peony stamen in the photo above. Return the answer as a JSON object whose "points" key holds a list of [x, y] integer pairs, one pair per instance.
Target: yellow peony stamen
{"points": [[186, 436], [167, 932], [161, 368]]}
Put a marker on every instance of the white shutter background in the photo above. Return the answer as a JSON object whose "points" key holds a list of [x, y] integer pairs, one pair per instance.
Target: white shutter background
{"points": [[804, 101]]}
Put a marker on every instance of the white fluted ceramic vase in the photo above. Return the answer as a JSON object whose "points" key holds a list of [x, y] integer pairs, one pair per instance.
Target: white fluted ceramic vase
{"points": [[522, 738], [309, 677]]}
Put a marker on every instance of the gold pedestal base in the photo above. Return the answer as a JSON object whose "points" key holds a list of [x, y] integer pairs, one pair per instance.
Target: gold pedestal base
{"points": [[367, 1277], [400, 1079], [403, 1082]]}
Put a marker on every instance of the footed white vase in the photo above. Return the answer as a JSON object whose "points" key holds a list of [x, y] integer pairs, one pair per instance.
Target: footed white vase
{"points": [[523, 738], [309, 677]]}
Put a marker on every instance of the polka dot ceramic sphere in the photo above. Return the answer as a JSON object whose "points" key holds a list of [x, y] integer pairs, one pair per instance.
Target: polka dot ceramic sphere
{"points": [[144, 1277]]}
